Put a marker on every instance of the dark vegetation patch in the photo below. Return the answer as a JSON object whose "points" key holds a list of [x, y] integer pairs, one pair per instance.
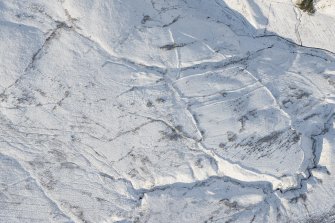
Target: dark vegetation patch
{"points": [[149, 104], [145, 19], [172, 46], [266, 145], [160, 100], [173, 21], [222, 145], [198, 163], [173, 134], [307, 6], [244, 118], [231, 136]]}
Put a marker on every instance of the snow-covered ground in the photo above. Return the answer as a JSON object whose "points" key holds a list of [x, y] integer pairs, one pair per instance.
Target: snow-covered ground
{"points": [[166, 111]]}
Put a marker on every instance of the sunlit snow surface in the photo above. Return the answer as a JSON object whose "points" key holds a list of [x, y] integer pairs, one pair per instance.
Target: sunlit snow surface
{"points": [[166, 111]]}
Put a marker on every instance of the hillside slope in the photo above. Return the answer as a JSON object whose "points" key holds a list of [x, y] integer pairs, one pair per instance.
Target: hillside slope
{"points": [[166, 111]]}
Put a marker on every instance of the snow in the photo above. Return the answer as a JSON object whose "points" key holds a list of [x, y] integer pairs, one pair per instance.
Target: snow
{"points": [[166, 111]]}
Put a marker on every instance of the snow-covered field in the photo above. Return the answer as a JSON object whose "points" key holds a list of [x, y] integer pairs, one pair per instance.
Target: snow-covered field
{"points": [[166, 111]]}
